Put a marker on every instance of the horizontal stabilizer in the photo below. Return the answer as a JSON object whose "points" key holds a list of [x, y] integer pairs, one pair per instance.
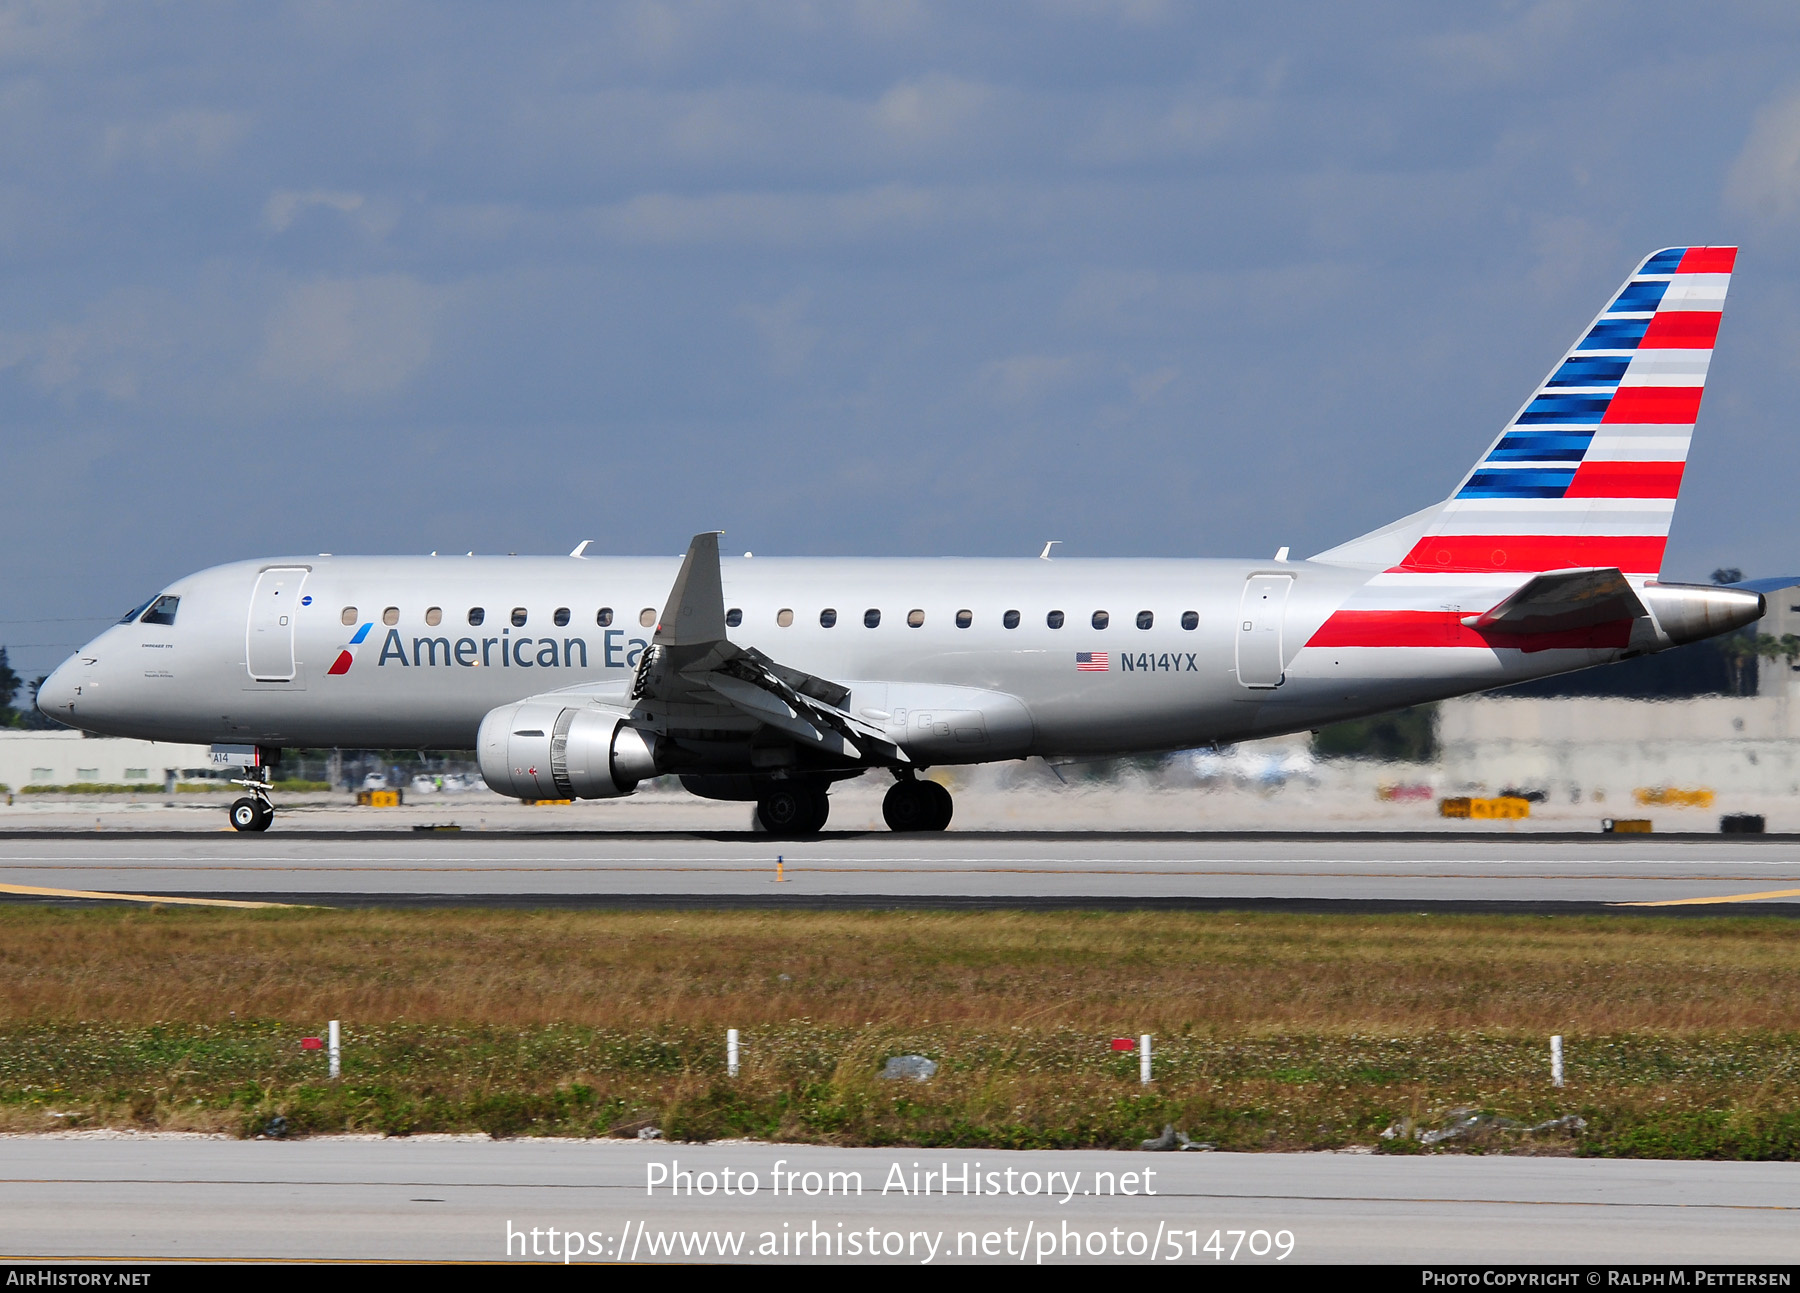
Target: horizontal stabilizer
{"points": [[1772, 585], [1560, 600]]}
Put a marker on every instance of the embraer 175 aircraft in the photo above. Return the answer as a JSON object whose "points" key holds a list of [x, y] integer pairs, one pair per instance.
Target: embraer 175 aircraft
{"points": [[767, 680]]}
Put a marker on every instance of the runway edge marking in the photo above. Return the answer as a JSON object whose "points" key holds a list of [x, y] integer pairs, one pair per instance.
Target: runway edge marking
{"points": [[1730, 897], [37, 891]]}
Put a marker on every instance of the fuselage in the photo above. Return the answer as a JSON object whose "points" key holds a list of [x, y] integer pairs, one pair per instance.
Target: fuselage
{"points": [[1104, 656]]}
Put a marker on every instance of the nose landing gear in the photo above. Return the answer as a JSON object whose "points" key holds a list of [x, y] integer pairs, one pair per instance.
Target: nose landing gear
{"points": [[914, 805]]}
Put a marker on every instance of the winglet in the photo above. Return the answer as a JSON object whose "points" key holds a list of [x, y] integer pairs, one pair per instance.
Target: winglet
{"points": [[695, 613]]}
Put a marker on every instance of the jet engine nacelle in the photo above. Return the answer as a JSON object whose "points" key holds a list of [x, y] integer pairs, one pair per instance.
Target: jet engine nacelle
{"points": [[1689, 612], [540, 749]]}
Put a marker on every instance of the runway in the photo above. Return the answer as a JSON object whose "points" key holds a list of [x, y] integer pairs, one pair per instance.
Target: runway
{"points": [[1694, 875], [455, 1198]]}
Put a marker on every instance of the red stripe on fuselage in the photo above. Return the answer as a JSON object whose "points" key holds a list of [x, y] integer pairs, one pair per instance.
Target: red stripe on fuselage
{"points": [[1465, 553], [1626, 480], [1446, 629], [342, 663]]}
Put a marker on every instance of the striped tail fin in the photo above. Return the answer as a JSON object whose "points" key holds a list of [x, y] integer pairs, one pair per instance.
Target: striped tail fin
{"points": [[1586, 474]]}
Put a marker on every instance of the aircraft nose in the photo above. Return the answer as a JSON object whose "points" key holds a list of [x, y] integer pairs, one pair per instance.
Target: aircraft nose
{"points": [[56, 697]]}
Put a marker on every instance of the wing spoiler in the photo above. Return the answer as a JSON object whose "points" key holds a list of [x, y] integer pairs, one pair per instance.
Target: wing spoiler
{"points": [[692, 663]]}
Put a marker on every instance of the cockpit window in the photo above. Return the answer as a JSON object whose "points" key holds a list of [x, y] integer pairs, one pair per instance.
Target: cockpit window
{"points": [[135, 611], [162, 611]]}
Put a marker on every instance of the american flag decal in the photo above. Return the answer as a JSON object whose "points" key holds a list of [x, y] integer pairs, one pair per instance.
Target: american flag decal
{"points": [[1091, 661]]}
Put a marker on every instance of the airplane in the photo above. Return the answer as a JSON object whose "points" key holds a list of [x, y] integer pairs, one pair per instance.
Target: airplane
{"points": [[767, 680]]}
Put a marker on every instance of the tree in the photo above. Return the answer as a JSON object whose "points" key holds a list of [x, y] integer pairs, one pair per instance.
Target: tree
{"points": [[33, 717], [1786, 647], [1406, 734], [9, 686]]}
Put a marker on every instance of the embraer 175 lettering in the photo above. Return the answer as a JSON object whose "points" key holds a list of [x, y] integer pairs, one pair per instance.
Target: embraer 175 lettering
{"points": [[767, 680]]}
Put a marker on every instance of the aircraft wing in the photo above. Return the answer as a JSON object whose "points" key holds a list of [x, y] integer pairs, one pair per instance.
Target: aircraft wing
{"points": [[1559, 600], [694, 679]]}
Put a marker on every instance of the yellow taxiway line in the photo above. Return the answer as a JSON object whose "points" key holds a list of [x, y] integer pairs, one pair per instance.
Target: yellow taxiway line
{"points": [[1730, 897], [37, 891]]}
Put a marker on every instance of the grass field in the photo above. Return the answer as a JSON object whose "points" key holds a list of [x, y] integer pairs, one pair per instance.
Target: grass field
{"points": [[1272, 1031]]}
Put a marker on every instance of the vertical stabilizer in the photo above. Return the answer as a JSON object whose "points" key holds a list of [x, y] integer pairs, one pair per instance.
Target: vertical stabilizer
{"points": [[1587, 472]]}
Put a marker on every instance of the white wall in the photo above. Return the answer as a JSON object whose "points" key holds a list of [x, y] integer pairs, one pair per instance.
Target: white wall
{"points": [[1724, 743], [59, 758]]}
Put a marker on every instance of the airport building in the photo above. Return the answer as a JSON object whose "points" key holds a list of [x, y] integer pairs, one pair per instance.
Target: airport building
{"points": [[62, 757], [1575, 747]]}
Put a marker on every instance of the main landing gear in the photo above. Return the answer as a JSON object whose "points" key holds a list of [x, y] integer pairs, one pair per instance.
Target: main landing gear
{"points": [[254, 811], [794, 810], [914, 805]]}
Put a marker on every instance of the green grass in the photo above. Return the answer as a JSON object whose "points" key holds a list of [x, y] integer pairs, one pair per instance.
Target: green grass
{"points": [[1015, 1088], [1272, 1032]]}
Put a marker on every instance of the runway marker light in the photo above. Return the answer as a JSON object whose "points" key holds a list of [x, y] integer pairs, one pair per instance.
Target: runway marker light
{"points": [[1123, 1044], [334, 1047], [1556, 1067], [1144, 1059], [731, 1052], [779, 878]]}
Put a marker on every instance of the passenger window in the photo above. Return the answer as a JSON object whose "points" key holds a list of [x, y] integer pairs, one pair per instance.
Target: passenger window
{"points": [[964, 619], [784, 617], [391, 615], [162, 611], [827, 618], [348, 617], [518, 617], [1190, 620], [1145, 619], [1101, 619], [734, 617], [434, 616], [914, 619], [647, 617], [603, 617], [1010, 619], [476, 616], [871, 618], [561, 618], [1054, 619]]}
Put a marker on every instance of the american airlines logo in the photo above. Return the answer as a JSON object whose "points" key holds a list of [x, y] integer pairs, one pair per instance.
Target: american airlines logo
{"points": [[616, 651], [347, 653]]}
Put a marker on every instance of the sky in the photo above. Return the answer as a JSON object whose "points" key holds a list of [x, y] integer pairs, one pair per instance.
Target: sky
{"points": [[895, 277]]}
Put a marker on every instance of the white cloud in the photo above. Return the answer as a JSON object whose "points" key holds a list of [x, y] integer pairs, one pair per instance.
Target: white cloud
{"points": [[286, 205], [931, 109], [1765, 179], [784, 332], [111, 348], [46, 29], [780, 219], [1027, 379], [363, 336], [1193, 124], [188, 139]]}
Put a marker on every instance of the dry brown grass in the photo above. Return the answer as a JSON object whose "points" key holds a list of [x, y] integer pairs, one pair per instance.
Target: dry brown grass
{"points": [[1143, 972]]}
